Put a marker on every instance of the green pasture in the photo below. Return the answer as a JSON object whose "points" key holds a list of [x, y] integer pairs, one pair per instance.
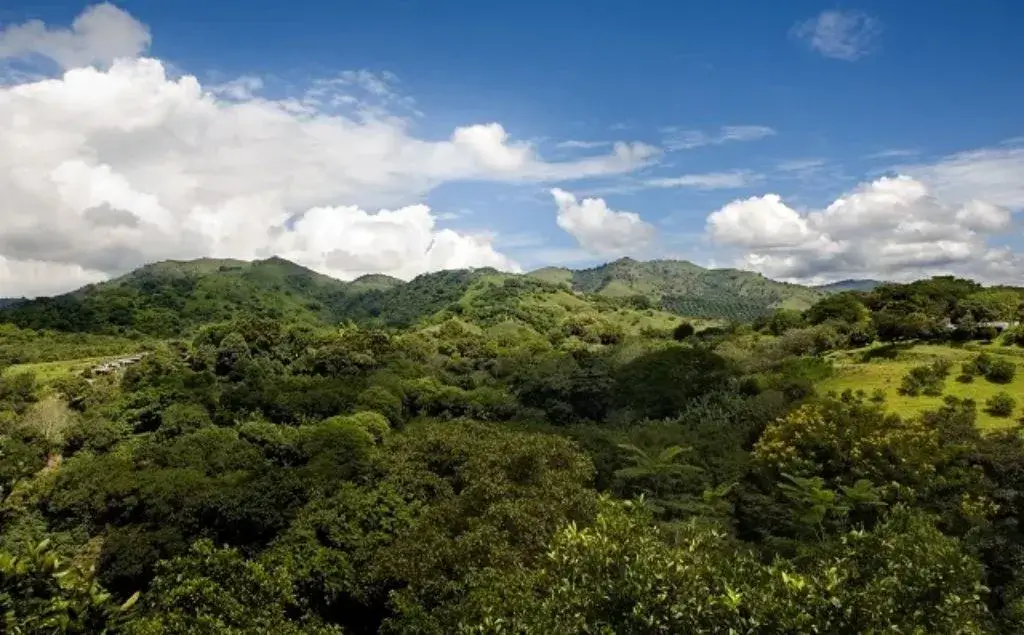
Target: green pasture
{"points": [[882, 367]]}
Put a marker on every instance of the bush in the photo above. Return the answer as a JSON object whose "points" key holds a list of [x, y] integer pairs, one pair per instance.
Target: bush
{"points": [[1014, 336], [980, 365], [1001, 405], [965, 378], [926, 380], [1001, 371], [684, 331]]}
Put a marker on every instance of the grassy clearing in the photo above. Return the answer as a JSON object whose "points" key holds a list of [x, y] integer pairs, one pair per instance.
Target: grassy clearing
{"points": [[46, 372], [885, 373]]}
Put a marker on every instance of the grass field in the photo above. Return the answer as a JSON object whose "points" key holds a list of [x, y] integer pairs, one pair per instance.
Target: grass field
{"points": [[46, 372], [885, 373]]}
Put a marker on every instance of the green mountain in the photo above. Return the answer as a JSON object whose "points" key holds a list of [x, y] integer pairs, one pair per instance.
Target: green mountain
{"points": [[167, 298], [685, 288], [849, 285], [174, 297]]}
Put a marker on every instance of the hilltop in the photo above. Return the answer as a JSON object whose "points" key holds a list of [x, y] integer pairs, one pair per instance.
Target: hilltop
{"points": [[168, 297], [682, 287], [173, 297], [849, 285]]}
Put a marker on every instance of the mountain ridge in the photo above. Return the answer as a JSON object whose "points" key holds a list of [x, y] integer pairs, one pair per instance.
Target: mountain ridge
{"points": [[850, 284], [169, 297], [684, 287]]}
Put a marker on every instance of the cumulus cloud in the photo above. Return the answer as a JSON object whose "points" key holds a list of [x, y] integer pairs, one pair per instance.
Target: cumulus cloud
{"points": [[105, 168], [101, 34], [841, 35], [684, 139], [891, 228], [351, 242], [599, 229]]}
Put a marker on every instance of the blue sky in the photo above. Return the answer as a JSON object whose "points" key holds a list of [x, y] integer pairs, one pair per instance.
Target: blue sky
{"points": [[806, 100]]}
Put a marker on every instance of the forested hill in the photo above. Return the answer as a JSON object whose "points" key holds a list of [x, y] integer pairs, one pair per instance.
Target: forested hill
{"points": [[849, 285], [685, 288], [174, 297]]}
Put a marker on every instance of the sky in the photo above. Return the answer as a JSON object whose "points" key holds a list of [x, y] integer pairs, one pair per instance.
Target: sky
{"points": [[808, 141]]}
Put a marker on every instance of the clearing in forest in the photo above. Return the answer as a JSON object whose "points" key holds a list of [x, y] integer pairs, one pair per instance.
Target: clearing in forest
{"points": [[883, 368]]}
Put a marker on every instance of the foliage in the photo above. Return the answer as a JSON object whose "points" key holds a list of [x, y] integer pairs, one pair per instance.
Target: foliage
{"points": [[1001, 405], [474, 451], [621, 576], [42, 593], [683, 332], [217, 591], [928, 380]]}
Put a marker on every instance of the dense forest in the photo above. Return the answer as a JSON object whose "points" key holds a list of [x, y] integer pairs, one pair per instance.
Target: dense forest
{"points": [[224, 447]]}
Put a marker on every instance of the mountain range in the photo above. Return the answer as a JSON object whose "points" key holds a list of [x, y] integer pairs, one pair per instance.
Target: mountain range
{"points": [[171, 297]]}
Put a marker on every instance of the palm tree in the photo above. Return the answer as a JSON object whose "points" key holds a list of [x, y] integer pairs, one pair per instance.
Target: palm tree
{"points": [[659, 477]]}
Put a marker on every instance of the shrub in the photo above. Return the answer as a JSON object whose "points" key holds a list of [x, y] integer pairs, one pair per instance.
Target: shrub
{"points": [[684, 331], [1014, 336], [1000, 405], [980, 365], [965, 378], [1001, 371], [926, 379]]}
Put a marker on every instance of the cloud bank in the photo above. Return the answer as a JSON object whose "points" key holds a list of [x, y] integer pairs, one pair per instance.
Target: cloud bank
{"points": [[115, 163], [101, 34], [893, 228]]}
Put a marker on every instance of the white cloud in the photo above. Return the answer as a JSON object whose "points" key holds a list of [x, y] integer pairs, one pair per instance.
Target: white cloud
{"points": [[573, 144], [892, 228], [683, 139], [240, 89], [104, 169], [709, 180], [599, 229], [841, 35], [892, 152], [993, 174], [350, 242], [759, 222], [101, 34]]}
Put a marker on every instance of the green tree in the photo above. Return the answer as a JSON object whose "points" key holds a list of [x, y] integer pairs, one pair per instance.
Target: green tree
{"points": [[683, 331], [657, 475], [621, 576], [1000, 405], [214, 591], [42, 593]]}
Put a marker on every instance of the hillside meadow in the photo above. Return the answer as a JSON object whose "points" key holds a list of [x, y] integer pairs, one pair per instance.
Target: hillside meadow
{"points": [[871, 369]]}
